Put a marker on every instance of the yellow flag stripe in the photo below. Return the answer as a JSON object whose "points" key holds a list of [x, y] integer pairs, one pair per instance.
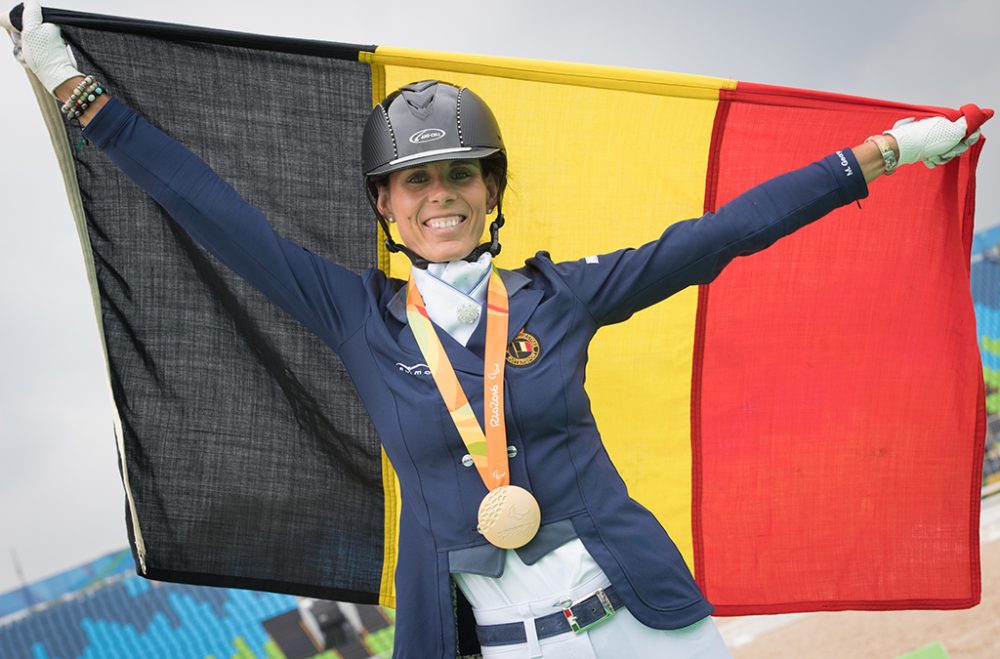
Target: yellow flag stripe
{"points": [[390, 483], [636, 146], [392, 499], [678, 85]]}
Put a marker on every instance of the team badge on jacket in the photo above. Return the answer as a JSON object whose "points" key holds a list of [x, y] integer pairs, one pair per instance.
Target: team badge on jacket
{"points": [[523, 350]]}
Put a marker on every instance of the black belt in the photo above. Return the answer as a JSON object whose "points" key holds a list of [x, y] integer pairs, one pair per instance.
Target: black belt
{"points": [[577, 617]]}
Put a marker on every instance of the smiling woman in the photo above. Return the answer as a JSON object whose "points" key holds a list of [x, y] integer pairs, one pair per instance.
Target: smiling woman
{"points": [[539, 544]]}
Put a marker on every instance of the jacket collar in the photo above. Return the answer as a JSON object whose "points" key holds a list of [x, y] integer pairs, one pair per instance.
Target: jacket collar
{"points": [[462, 358], [513, 281]]}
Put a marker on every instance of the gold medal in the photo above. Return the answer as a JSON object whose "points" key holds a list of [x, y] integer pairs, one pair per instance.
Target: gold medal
{"points": [[509, 517]]}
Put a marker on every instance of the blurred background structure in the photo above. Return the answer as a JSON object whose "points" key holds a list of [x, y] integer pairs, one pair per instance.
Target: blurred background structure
{"points": [[102, 609], [986, 297]]}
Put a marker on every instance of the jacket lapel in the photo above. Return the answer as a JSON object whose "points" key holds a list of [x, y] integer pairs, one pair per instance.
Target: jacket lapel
{"points": [[521, 306]]}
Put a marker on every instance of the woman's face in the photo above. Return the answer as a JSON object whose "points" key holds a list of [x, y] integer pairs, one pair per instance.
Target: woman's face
{"points": [[440, 207]]}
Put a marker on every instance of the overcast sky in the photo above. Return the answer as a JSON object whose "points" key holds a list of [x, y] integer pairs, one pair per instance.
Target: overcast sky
{"points": [[61, 501]]}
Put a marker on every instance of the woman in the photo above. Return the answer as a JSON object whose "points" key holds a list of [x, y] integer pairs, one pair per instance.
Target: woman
{"points": [[507, 356]]}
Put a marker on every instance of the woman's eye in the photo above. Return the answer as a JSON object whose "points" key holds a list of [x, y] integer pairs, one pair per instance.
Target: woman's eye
{"points": [[461, 174], [416, 178]]}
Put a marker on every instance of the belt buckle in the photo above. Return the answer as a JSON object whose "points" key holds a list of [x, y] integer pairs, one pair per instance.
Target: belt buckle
{"points": [[574, 624]]}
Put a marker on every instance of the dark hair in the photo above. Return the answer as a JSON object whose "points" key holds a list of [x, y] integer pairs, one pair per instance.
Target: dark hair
{"points": [[496, 166]]}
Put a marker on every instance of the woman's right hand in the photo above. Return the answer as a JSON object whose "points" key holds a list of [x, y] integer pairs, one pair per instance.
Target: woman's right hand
{"points": [[42, 49]]}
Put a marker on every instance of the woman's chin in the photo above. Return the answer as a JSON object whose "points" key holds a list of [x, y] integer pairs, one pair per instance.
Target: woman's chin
{"points": [[443, 253]]}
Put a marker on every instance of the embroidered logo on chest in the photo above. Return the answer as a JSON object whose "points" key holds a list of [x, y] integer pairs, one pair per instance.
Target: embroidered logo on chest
{"points": [[524, 349], [416, 369]]}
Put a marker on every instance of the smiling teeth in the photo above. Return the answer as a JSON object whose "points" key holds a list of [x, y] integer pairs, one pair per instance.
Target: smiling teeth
{"points": [[444, 222]]}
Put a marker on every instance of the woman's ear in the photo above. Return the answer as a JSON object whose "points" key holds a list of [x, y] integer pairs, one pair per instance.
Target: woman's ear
{"points": [[492, 192], [382, 201]]}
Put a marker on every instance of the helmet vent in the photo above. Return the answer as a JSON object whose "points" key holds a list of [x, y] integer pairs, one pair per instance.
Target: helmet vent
{"points": [[419, 97]]}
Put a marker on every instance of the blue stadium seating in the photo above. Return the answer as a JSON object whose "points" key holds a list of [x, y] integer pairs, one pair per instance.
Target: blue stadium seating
{"points": [[128, 616]]}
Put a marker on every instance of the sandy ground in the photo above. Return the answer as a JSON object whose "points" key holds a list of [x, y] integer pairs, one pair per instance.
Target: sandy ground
{"points": [[967, 634]]}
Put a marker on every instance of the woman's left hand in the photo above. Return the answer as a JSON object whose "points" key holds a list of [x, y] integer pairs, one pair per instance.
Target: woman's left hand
{"points": [[935, 141]]}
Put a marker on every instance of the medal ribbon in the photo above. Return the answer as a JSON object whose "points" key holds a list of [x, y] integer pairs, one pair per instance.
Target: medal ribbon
{"points": [[489, 450]]}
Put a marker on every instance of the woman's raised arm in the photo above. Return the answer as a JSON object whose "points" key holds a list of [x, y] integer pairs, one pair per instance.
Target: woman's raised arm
{"points": [[934, 141], [327, 298]]}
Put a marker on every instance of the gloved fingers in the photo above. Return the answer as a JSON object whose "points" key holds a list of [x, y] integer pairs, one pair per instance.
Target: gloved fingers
{"points": [[958, 149], [15, 36], [962, 124], [946, 157], [972, 139], [32, 15], [937, 161]]}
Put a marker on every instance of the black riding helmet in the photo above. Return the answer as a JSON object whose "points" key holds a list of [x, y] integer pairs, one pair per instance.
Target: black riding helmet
{"points": [[425, 122]]}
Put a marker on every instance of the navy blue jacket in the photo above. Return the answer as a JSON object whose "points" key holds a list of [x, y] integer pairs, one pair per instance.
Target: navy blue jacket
{"points": [[560, 456]]}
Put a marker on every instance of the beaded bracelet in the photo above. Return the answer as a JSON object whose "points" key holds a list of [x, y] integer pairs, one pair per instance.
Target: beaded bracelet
{"points": [[79, 102], [84, 94], [77, 92]]}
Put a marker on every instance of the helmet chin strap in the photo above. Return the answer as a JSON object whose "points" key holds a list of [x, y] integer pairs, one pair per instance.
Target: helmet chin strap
{"points": [[391, 245], [493, 247]]}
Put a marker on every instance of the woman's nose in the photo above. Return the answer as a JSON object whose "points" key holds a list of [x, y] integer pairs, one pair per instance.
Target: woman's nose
{"points": [[441, 190]]}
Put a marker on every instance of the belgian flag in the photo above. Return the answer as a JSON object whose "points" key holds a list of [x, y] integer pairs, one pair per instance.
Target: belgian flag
{"points": [[809, 427]]}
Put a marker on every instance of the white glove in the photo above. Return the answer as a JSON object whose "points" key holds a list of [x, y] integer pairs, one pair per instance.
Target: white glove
{"points": [[935, 140], [959, 149], [42, 50]]}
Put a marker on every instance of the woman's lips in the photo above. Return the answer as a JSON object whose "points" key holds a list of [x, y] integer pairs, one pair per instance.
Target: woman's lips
{"points": [[444, 222]]}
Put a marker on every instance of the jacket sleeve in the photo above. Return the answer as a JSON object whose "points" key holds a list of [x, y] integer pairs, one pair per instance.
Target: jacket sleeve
{"points": [[614, 286], [327, 298]]}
